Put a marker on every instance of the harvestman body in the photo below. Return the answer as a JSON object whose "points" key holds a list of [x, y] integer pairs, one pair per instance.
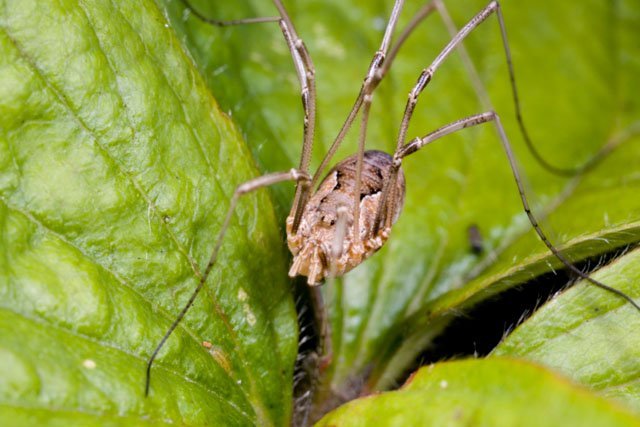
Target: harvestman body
{"points": [[313, 244], [350, 215]]}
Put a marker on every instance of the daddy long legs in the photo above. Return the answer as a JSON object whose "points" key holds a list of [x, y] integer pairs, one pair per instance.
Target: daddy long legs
{"points": [[363, 200]]}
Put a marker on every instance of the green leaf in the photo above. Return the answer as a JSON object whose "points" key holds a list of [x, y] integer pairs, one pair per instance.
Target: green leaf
{"points": [[577, 68], [588, 336], [116, 167], [492, 392]]}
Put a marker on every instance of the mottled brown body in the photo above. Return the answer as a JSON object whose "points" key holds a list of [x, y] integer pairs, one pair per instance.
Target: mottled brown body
{"points": [[312, 243]]}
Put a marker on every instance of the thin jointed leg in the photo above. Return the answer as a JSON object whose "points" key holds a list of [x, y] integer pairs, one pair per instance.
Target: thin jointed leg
{"points": [[484, 100], [227, 23], [371, 82], [491, 116], [388, 199], [456, 42], [322, 315], [247, 187], [306, 76]]}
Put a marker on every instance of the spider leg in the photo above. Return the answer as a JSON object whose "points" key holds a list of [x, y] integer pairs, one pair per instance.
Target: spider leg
{"points": [[242, 189], [306, 75], [491, 116], [374, 76], [305, 71], [335, 254], [554, 169], [230, 22], [321, 314], [439, 6], [388, 198], [371, 82], [383, 219]]}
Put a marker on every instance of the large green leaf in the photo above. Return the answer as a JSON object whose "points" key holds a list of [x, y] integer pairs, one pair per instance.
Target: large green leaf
{"points": [[116, 167], [577, 65], [493, 392]]}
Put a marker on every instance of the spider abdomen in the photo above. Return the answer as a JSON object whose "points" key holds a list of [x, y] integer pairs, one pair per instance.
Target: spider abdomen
{"points": [[312, 243]]}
